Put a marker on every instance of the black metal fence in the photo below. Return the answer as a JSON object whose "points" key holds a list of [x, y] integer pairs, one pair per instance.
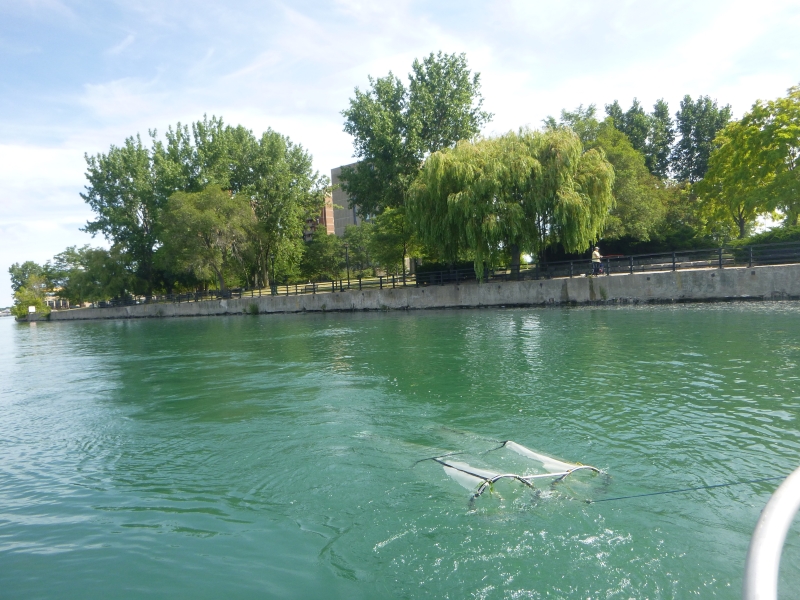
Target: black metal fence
{"points": [[710, 258]]}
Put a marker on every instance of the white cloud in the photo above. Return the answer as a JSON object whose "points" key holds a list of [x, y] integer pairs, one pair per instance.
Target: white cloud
{"points": [[118, 48]]}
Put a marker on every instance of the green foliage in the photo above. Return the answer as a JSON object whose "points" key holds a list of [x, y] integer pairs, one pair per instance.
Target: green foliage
{"points": [[32, 293], [697, 123], [207, 230], [130, 185], [639, 208], [359, 241], [395, 127], [773, 236], [323, 259], [634, 123], [91, 274], [21, 273], [524, 191], [773, 155], [391, 240], [122, 192], [660, 139], [755, 167]]}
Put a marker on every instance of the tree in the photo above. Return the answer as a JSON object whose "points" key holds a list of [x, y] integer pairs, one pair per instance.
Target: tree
{"points": [[775, 152], [207, 230], [323, 258], [129, 188], [634, 123], [91, 274], [754, 168], [391, 239], [660, 140], [359, 241], [122, 192], [639, 207], [729, 195], [21, 273], [516, 193], [697, 123], [32, 293], [639, 203], [394, 128], [284, 192]]}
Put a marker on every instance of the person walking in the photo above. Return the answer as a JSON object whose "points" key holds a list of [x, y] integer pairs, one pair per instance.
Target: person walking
{"points": [[596, 261]]}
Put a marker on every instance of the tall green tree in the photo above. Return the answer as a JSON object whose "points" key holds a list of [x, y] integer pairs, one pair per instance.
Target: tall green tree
{"points": [[359, 243], [517, 193], [208, 230], [323, 259], [395, 127], [129, 187], [659, 140], [697, 123], [639, 197], [391, 240], [755, 167], [634, 123], [125, 197], [775, 154], [639, 207], [21, 273]]}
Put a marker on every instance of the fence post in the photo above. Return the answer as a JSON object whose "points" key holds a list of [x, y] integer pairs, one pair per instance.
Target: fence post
{"points": [[630, 258], [750, 264], [608, 267], [570, 269], [720, 257], [359, 282], [674, 265], [313, 287], [393, 278], [380, 281]]}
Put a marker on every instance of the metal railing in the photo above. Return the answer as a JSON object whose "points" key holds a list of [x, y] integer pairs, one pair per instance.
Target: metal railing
{"points": [[709, 258]]}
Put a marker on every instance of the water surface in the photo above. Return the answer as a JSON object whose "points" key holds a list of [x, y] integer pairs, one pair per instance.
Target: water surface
{"points": [[272, 456]]}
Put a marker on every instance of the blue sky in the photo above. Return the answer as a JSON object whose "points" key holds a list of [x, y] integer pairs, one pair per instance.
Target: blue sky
{"points": [[77, 76]]}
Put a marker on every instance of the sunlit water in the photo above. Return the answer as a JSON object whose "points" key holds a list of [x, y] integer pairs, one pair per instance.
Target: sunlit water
{"points": [[273, 456]]}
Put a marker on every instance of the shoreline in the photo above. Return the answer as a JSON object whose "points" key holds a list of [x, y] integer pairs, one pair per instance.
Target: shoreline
{"points": [[700, 285]]}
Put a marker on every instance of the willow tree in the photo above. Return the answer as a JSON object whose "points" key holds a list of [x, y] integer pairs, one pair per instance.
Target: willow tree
{"points": [[516, 193]]}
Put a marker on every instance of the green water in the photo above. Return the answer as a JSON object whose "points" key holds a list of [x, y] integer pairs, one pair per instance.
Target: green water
{"points": [[271, 457]]}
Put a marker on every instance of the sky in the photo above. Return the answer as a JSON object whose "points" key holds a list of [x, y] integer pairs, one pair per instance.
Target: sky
{"points": [[77, 76]]}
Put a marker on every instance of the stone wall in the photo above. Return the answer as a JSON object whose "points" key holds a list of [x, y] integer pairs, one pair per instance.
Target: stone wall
{"points": [[764, 283]]}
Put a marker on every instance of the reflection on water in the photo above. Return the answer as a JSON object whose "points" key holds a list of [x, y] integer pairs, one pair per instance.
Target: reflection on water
{"points": [[274, 456]]}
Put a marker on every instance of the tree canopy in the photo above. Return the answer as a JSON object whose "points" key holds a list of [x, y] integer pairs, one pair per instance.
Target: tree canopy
{"points": [[520, 192], [697, 122], [130, 186], [395, 127], [754, 168]]}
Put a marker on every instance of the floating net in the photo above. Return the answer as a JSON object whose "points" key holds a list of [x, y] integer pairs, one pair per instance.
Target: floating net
{"points": [[478, 479]]}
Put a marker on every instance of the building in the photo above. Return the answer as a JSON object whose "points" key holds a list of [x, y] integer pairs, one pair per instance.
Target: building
{"points": [[343, 215], [324, 222]]}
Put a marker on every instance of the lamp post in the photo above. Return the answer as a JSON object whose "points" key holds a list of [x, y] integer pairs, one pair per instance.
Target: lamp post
{"points": [[347, 262]]}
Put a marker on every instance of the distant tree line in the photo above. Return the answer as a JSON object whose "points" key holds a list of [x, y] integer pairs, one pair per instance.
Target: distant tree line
{"points": [[211, 205]]}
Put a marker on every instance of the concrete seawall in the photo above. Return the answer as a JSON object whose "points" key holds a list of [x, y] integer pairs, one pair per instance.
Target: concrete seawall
{"points": [[758, 283]]}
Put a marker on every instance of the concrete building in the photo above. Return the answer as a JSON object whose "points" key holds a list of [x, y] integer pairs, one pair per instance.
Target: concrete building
{"points": [[344, 216]]}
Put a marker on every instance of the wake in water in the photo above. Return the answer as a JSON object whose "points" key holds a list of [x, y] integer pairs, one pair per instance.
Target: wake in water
{"points": [[538, 469]]}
